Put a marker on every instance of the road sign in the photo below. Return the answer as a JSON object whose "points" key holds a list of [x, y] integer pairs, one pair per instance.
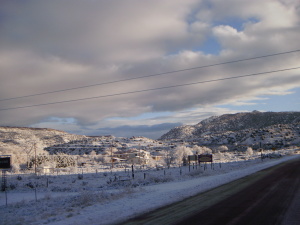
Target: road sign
{"points": [[192, 158], [205, 158], [5, 162]]}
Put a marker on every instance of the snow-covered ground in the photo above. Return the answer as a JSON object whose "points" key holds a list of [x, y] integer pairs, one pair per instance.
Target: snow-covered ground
{"points": [[102, 198]]}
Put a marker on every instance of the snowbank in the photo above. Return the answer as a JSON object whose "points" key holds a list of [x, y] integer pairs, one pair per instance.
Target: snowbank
{"points": [[114, 205]]}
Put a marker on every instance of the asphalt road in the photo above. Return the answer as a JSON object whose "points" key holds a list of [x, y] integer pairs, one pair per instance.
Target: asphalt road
{"points": [[271, 196]]}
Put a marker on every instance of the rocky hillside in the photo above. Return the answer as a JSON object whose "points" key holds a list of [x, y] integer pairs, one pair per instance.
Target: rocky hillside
{"points": [[255, 128], [19, 140], [23, 137]]}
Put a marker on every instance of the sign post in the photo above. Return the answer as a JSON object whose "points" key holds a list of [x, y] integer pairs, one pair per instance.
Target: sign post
{"points": [[205, 159], [4, 166]]}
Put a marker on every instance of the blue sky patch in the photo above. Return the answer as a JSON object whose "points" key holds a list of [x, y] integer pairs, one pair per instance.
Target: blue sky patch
{"points": [[210, 46], [274, 103], [236, 22]]}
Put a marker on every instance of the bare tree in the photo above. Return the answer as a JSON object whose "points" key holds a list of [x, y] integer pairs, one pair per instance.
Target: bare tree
{"points": [[28, 149]]}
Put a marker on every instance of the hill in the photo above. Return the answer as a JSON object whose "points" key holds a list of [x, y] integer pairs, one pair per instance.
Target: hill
{"points": [[19, 138], [273, 129], [20, 141]]}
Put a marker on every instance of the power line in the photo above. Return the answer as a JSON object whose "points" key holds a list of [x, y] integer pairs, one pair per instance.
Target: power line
{"points": [[151, 89], [151, 75]]}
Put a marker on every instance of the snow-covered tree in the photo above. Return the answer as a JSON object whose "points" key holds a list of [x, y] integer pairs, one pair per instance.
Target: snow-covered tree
{"points": [[106, 159], [222, 148], [197, 149], [93, 153], [110, 150], [249, 151], [60, 161], [204, 150], [181, 153], [29, 150]]}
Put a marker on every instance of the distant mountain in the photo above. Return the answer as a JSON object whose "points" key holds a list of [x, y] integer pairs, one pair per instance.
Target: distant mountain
{"points": [[281, 128]]}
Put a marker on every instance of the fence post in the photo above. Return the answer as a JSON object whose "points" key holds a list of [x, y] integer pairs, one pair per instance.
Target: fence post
{"points": [[132, 170], [5, 197]]}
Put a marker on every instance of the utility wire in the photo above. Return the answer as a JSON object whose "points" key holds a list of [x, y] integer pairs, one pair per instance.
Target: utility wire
{"points": [[151, 89], [151, 75]]}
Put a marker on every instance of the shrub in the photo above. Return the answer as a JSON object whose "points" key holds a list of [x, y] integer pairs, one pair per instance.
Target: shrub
{"points": [[30, 184], [12, 186], [85, 198], [249, 151]]}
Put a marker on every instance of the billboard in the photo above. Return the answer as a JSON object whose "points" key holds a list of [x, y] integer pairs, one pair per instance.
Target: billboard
{"points": [[4, 162], [205, 158], [192, 157]]}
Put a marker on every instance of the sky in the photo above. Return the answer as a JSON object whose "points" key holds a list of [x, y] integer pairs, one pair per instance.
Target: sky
{"points": [[139, 68]]}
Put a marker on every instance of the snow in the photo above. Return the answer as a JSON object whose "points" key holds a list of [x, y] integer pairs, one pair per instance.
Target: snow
{"points": [[107, 203]]}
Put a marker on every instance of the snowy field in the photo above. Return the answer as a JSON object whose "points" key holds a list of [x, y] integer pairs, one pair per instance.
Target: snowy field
{"points": [[108, 196]]}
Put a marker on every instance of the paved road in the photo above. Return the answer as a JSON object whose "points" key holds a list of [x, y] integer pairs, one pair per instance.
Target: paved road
{"points": [[271, 196]]}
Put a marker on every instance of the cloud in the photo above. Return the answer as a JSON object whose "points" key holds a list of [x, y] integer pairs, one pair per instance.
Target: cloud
{"points": [[56, 45], [96, 31]]}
